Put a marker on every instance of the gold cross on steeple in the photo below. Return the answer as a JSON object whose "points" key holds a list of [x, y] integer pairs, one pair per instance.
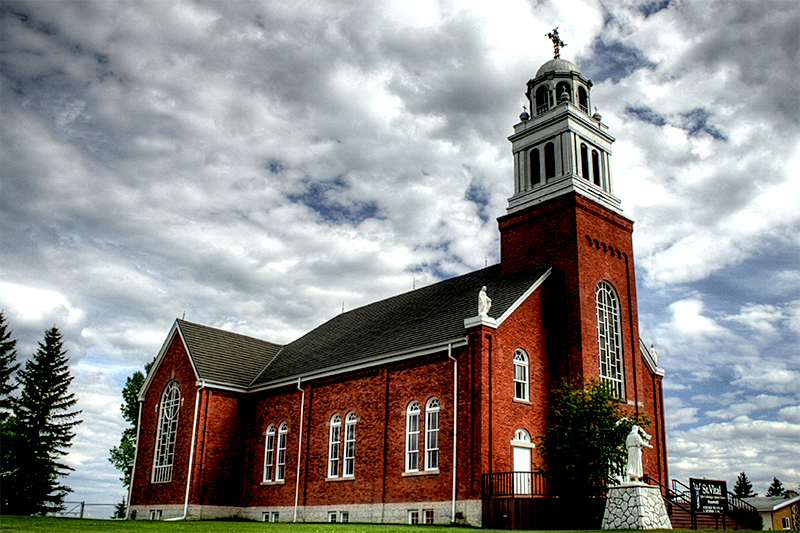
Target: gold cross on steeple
{"points": [[558, 44]]}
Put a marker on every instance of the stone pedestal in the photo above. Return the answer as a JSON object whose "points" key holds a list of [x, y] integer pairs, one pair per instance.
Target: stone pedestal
{"points": [[635, 506]]}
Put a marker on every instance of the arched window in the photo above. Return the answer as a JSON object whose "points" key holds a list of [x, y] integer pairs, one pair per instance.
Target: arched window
{"points": [[584, 161], [333, 448], [412, 437], [583, 99], [521, 435], [609, 338], [167, 430], [549, 161], [541, 99], [563, 88], [520, 375], [432, 434], [280, 467], [269, 454], [536, 173], [350, 444], [596, 167]]}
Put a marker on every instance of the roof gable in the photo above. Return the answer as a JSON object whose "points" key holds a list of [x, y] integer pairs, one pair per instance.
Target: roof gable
{"points": [[423, 317], [222, 357]]}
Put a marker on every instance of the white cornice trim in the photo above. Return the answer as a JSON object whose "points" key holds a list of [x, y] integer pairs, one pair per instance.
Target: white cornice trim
{"points": [[480, 320], [365, 363], [175, 330]]}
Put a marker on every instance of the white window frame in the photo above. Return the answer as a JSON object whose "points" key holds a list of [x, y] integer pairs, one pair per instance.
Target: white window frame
{"points": [[428, 516], [169, 409], [609, 339], [413, 517], [786, 522], [432, 434], [269, 454], [332, 516], [334, 442], [280, 462], [344, 517], [521, 375], [412, 437], [350, 445]]}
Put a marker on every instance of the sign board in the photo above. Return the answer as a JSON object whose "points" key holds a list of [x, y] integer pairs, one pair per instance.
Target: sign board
{"points": [[709, 496]]}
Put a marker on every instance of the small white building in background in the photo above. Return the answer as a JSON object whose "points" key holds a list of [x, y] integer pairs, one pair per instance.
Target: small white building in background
{"points": [[778, 512]]}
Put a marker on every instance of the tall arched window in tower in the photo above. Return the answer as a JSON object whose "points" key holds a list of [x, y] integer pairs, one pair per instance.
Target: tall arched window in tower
{"points": [[269, 454], [609, 338], [563, 92], [596, 167], [350, 444], [520, 375], [584, 161], [167, 430], [541, 99], [333, 445], [280, 467], [432, 434], [583, 99], [549, 161], [536, 173], [412, 437]]}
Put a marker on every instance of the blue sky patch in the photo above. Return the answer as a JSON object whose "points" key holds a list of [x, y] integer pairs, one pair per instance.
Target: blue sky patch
{"points": [[646, 114], [652, 8], [321, 197], [612, 60], [696, 123]]}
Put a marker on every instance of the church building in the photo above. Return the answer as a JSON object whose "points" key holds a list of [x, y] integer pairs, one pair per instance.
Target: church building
{"points": [[401, 410]]}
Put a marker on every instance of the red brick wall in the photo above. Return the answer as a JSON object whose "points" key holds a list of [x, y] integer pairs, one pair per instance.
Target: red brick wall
{"points": [[525, 329], [219, 461], [174, 366]]}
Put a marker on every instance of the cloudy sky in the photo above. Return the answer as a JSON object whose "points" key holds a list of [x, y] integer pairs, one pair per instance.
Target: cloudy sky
{"points": [[259, 165]]}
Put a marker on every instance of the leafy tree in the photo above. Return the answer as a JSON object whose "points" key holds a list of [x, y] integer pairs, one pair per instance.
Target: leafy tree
{"points": [[45, 429], [122, 456], [8, 422], [776, 489], [584, 445], [743, 488]]}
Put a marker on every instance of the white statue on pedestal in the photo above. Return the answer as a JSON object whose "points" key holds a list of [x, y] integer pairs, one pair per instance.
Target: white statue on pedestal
{"points": [[637, 439], [484, 303]]}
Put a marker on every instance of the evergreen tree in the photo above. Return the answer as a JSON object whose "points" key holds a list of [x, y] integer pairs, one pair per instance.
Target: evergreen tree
{"points": [[45, 429], [8, 422], [743, 488], [776, 489], [122, 456], [8, 365], [584, 445]]}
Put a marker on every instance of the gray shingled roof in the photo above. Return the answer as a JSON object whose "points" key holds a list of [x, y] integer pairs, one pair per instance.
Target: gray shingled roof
{"points": [[428, 316], [423, 317], [223, 357]]}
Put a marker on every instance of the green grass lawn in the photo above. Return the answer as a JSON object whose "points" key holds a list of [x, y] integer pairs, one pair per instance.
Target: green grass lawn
{"points": [[35, 524]]}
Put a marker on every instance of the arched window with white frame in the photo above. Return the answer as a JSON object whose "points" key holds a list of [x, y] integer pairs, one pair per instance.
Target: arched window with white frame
{"points": [[432, 434], [269, 454], [521, 375], [167, 432], [280, 465], [609, 338], [350, 444], [412, 437], [334, 441]]}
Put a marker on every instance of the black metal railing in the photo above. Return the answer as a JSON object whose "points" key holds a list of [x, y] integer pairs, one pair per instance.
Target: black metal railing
{"points": [[514, 484]]}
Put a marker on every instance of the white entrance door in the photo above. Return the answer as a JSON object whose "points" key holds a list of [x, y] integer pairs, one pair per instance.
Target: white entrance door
{"points": [[522, 470]]}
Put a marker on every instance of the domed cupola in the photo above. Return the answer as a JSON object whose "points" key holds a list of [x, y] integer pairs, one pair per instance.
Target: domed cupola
{"points": [[560, 147]]}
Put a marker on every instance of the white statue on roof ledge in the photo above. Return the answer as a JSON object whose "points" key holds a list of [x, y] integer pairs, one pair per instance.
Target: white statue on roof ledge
{"points": [[484, 303]]}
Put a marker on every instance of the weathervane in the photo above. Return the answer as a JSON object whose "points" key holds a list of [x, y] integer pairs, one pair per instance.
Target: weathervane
{"points": [[558, 44]]}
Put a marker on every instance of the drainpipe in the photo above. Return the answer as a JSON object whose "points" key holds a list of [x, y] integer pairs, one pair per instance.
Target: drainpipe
{"points": [[455, 426], [299, 449], [191, 455]]}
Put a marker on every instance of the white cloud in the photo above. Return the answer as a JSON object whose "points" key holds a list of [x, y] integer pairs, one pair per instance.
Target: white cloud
{"points": [[257, 166]]}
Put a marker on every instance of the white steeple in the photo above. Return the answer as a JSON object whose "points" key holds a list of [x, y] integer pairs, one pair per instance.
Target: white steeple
{"points": [[561, 148]]}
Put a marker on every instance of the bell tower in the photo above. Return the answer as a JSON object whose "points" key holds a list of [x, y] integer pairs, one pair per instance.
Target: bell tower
{"points": [[564, 214]]}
